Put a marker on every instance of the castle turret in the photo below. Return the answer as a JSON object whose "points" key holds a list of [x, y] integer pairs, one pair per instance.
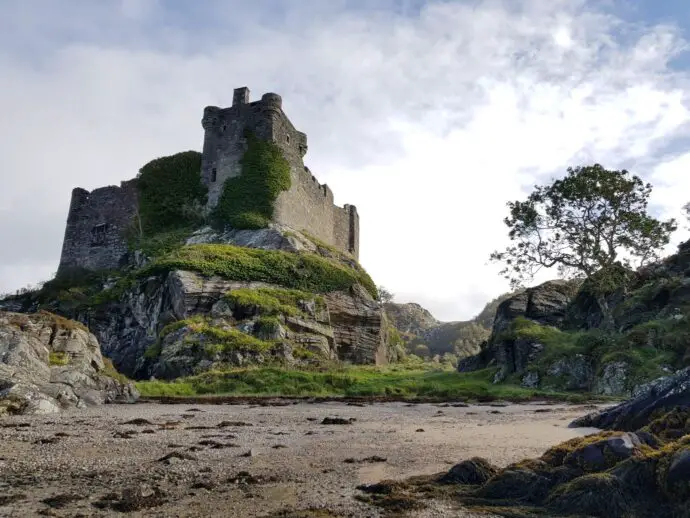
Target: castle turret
{"points": [[240, 96]]}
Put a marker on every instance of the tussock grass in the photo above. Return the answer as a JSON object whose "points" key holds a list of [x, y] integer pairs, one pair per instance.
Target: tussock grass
{"points": [[348, 381]]}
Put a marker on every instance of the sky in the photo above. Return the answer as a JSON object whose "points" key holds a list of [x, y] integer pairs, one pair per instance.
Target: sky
{"points": [[429, 116]]}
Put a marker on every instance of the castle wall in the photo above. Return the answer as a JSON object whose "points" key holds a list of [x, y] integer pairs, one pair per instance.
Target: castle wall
{"points": [[307, 205], [224, 142], [96, 224], [346, 229]]}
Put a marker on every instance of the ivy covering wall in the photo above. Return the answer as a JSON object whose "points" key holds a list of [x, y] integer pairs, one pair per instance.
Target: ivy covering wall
{"points": [[247, 201], [171, 194]]}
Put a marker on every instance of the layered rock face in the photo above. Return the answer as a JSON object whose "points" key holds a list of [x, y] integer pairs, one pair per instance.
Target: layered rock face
{"points": [[178, 322], [348, 327], [48, 363]]}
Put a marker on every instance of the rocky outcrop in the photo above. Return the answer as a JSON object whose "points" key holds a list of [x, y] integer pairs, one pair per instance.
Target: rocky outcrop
{"points": [[653, 399], [553, 336], [545, 304], [410, 318], [128, 311], [48, 363], [358, 326], [349, 328]]}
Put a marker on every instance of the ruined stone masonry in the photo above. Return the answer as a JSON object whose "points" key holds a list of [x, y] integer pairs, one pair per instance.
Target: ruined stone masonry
{"points": [[97, 220]]}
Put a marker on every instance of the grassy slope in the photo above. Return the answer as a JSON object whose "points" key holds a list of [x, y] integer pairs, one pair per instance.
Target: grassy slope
{"points": [[417, 381]]}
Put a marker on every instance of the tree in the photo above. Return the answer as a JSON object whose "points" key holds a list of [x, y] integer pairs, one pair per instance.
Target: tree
{"points": [[590, 222], [385, 296], [686, 210]]}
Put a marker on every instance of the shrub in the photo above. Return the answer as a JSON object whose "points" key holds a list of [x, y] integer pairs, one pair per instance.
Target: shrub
{"points": [[58, 358], [266, 326], [170, 192]]}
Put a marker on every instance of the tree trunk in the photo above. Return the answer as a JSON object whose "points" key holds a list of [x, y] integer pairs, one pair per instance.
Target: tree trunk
{"points": [[607, 322]]}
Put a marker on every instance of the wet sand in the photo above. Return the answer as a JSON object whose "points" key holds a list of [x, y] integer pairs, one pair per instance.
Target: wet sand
{"points": [[251, 461]]}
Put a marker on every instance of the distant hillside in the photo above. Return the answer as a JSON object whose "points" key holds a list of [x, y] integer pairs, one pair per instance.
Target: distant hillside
{"points": [[426, 336]]}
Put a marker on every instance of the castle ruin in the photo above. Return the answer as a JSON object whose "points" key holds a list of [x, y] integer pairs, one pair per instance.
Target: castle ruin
{"points": [[97, 220]]}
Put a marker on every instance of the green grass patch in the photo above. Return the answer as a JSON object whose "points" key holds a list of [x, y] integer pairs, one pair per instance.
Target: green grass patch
{"points": [[301, 271], [232, 339], [159, 244], [247, 201], [213, 339], [273, 301], [58, 358], [416, 382], [302, 353]]}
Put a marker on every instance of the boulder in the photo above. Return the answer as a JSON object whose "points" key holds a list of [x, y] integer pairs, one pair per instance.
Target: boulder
{"points": [[654, 398], [574, 372], [48, 363], [613, 379], [474, 471]]}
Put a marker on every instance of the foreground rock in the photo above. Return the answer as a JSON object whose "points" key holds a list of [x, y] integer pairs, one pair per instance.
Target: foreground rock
{"points": [[48, 363], [611, 474], [655, 398]]}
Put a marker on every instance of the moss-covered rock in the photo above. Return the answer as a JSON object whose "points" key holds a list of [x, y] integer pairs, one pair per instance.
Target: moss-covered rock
{"points": [[474, 471], [596, 494]]}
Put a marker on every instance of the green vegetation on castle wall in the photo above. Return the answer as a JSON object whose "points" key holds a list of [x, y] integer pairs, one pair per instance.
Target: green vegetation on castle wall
{"points": [[301, 271], [247, 201], [171, 193]]}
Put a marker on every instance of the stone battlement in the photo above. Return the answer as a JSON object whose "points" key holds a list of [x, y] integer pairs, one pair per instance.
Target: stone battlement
{"points": [[97, 220]]}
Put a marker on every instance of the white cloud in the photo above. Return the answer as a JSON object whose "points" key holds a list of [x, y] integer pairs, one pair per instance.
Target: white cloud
{"points": [[429, 124]]}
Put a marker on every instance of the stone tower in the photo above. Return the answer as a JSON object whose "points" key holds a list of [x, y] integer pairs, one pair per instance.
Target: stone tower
{"points": [[308, 205]]}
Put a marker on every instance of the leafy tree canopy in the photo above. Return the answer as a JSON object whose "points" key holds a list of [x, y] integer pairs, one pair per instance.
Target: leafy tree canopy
{"points": [[590, 221], [385, 296]]}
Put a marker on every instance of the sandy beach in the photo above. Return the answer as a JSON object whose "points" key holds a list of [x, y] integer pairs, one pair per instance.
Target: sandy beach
{"points": [[251, 461]]}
